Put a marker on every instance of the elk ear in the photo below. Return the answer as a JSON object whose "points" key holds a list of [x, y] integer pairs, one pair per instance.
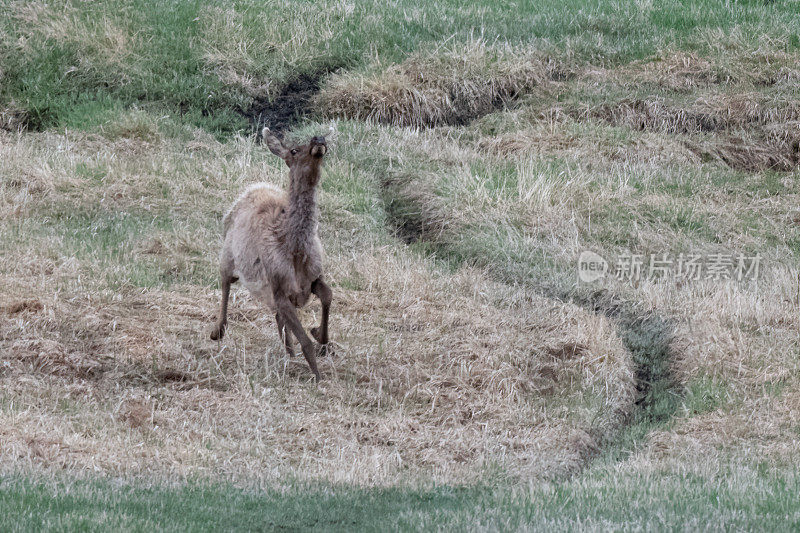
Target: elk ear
{"points": [[275, 144]]}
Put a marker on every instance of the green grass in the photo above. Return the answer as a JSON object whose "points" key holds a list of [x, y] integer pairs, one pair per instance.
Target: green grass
{"points": [[705, 394], [68, 67], [736, 499], [114, 245]]}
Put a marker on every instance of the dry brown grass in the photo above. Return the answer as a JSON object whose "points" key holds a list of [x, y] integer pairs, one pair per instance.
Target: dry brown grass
{"points": [[567, 138], [751, 155], [435, 377], [743, 132], [745, 128], [743, 117], [438, 392], [735, 348], [445, 86]]}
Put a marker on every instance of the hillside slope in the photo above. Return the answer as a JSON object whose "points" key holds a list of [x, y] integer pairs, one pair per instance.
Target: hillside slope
{"points": [[467, 176]]}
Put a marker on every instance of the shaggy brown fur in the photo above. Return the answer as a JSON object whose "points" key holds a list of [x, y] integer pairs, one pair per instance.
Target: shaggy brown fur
{"points": [[271, 245]]}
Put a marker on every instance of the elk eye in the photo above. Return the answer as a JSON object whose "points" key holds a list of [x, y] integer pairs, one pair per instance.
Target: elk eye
{"points": [[294, 151]]}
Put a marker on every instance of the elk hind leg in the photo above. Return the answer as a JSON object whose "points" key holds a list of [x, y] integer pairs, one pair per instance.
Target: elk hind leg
{"points": [[325, 295]]}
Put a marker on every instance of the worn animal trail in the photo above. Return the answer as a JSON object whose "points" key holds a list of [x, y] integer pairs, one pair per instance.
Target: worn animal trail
{"points": [[415, 215]]}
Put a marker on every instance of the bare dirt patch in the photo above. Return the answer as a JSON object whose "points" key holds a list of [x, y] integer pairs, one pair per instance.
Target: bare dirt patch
{"points": [[21, 306], [13, 119], [291, 103]]}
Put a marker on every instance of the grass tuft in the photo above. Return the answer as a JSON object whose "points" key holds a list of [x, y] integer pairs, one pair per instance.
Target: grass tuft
{"points": [[442, 86]]}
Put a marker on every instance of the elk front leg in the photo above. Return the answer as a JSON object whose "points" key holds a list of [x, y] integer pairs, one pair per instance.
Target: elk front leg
{"points": [[289, 317], [325, 295], [285, 334], [226, 278]]}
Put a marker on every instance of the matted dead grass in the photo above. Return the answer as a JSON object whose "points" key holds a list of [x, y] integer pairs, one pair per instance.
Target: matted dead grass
{"points": [[761, 430], [743, 126], [563, 137], [450, 86], [736, 347], [752, 155], [436, 379], [742, 132], [745, 334]]}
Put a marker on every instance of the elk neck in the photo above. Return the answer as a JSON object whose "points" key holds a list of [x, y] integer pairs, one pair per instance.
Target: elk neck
{"points": [[301, 220]]}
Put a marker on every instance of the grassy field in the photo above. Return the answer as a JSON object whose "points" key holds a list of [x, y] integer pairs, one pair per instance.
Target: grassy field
{"points": [[739, 500], [479, 151]]}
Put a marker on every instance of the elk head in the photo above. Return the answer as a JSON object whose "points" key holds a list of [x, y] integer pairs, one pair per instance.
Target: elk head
{"points": [[303, 160]]}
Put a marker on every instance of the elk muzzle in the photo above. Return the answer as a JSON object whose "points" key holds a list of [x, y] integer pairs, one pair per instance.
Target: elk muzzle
{"points": [[318, 146]]}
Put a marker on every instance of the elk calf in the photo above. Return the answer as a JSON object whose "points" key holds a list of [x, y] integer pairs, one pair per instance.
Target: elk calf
{"points": [[271, 245]]}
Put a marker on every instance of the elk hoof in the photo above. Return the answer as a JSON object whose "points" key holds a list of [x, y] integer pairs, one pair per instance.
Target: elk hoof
{"points": [[217, 332], [317, 335], [325, 350]]}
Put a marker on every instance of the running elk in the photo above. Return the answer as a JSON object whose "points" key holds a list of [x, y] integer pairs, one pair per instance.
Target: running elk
{"points": [[271, 245]]}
